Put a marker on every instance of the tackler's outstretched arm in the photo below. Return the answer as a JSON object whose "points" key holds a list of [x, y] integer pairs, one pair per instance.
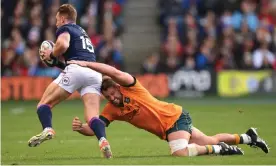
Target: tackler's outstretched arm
{"points": [[82, 128]]}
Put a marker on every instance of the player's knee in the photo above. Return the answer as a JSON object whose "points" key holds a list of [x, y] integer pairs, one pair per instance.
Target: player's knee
{"points": [[189, 151], [181, 153], [179, 147]]}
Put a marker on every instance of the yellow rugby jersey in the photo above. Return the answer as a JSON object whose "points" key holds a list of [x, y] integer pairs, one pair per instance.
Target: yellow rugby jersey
{"points": [[143, 110]]}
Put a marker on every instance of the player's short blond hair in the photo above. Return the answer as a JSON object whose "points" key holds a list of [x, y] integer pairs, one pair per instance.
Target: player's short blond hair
{"points": [[69, 11]]}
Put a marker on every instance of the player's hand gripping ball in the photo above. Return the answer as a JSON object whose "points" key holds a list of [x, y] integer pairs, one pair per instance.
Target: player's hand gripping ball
{"points": [[47, 45]]}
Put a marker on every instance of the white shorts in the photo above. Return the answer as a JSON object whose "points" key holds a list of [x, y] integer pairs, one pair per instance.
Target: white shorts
{"points": [[82, 79]]}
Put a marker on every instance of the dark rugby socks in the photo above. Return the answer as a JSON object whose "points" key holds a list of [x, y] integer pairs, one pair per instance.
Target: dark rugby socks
{"points": [[98, 127], [45, 115]]}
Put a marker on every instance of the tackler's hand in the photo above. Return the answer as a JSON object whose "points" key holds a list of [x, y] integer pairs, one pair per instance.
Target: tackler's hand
{"points": [[76, 124]]}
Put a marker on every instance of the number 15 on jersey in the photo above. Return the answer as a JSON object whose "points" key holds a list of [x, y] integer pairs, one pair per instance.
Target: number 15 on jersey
{"points": [[86, 44]]}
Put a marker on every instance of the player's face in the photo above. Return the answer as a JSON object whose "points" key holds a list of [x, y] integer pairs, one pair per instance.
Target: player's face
{"points": [[114, 95], [60, 20]]}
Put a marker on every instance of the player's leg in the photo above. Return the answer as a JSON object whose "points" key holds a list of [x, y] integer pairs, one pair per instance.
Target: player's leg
{"points": [[179, 136], [91, 98], [178, 142], [201, 139], [63, 86], [198, 137], [250, 137], [52, 96], [91, 114]]}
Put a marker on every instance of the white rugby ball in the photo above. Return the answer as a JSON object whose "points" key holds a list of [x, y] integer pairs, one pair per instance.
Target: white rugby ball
{"points": [[46, 45]]}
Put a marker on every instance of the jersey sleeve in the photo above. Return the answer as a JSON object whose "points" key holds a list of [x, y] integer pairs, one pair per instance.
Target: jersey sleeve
{"points": [[133, 84], [135, 87], [108, 114], [61, 30]]}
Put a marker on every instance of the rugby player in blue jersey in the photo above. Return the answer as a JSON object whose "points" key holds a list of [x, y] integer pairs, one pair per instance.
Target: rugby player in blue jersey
{"points": [[72, 43]]}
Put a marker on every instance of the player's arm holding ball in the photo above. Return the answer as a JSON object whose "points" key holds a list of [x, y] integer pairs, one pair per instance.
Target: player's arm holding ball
{"points": [[120, 77], [47, 46], [62, 44], [49, 56], [60, 47]]}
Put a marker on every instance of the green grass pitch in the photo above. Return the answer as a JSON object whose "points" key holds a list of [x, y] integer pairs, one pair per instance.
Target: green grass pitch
{"points": [[129, 144]]}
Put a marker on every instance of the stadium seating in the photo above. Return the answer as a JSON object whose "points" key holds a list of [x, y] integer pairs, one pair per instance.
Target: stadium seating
{"points": [[199, 34], [25, 24]]}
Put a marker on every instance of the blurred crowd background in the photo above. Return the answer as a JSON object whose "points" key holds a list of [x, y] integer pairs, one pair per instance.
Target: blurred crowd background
{"points": [[195, 34], [26, 23], [216, 35]]}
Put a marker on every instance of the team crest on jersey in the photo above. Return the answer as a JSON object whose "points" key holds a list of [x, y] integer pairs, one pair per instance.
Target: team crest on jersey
{"points": [[65, 81], [127, 100]]}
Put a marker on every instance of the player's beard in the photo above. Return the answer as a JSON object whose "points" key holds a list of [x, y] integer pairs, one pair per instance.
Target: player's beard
{"points": [[118, 103]]}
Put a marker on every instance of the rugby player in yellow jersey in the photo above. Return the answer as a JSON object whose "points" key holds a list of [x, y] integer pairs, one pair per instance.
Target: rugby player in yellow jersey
{"points": [[129, 101]]}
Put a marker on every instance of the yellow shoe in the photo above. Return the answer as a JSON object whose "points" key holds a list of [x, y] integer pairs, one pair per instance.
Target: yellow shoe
{"points": [[46, 134], [105, 148]]}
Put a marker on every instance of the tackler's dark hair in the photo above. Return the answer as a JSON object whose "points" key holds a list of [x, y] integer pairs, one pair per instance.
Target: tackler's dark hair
{"points": [[107, 83]]}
